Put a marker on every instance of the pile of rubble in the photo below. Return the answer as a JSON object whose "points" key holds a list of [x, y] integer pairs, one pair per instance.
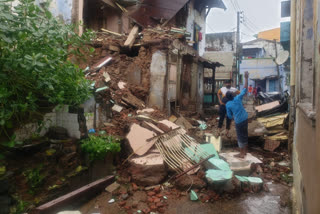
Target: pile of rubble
{"points": [[164, 155]]}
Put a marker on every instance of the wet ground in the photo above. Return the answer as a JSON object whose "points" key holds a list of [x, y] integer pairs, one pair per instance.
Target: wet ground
{"points": [[276, 201]]}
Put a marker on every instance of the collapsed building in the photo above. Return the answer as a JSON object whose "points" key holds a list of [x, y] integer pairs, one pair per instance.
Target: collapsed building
{"points": [[161, 57]]}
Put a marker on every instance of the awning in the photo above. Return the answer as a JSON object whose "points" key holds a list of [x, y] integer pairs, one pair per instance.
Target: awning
{"points": [[208, 63]]}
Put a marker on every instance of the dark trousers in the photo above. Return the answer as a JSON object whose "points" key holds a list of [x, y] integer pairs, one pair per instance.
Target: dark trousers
{"points": [[242, 133], [222, 115]]}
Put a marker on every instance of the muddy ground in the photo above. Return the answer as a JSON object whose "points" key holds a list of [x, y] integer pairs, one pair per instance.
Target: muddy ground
{"points": [[276, 201]]}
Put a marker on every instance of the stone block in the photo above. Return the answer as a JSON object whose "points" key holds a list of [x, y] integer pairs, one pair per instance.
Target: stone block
{"points": [[147, 170], [240, 166]]}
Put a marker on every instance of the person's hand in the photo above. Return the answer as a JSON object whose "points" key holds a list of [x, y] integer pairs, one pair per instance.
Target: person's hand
{"points": [[246, 74]]}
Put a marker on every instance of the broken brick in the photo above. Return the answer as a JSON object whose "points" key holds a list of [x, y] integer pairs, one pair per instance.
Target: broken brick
{"points": [[159, 204], [134, 187], [122, 203], [153, 207], [161, 210], [146, 211], [157, 189], [151, 193], [159, 195], [156, 200]]}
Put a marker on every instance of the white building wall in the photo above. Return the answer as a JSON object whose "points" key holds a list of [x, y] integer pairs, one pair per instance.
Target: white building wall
{"points": [[200, 19]]}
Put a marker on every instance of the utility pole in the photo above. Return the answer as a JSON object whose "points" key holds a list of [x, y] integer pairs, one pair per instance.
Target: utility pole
{"points": [[238, 51], [278, 69]]}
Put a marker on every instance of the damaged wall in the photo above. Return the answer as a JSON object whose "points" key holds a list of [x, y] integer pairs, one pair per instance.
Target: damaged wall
{"points": [[60, 116], [225, 42], [99, 14], [197, 18], [267, 46], [306, 147], [158, 71]]}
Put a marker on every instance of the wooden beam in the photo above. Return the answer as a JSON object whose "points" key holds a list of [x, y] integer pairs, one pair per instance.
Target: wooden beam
{"points": [[132, 37], [87, 191], [111, 32]]}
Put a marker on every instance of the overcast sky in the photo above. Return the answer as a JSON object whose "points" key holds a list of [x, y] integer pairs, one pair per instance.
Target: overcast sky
{"points": [[259, 15]]}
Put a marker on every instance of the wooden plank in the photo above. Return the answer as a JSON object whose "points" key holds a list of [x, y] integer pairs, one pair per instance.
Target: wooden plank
{"points": [[84, 192], [111, 32], [132, 37], [267, 106]]}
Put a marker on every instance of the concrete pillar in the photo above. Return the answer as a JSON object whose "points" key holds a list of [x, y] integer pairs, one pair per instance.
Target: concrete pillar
{"points": [[158, 71]]}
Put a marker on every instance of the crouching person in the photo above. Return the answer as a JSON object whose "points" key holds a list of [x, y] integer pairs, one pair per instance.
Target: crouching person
{"points": [[236, 110]]}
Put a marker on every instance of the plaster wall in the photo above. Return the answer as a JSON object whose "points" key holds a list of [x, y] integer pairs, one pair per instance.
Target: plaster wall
{"points": [[158, 70]]}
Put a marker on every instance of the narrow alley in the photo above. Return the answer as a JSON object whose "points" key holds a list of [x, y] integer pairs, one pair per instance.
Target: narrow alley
{"points": [[175, 107]]}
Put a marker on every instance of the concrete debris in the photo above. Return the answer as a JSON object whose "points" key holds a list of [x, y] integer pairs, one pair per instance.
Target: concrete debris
{"points": [[182, 122], [210, 149], [133, 100], [214, 163], [254, 184], [122, 85], [215, 141], [147, 170], [112, 187], [202, 125], [254, 180], [145, 118], [173, 118], [147, 110], [166, 125], [240, 166], [138, 139], [193, 196], [117, 108], [102, 89], [111, 201], [107, 77], [218, 176], [151, 127]]}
